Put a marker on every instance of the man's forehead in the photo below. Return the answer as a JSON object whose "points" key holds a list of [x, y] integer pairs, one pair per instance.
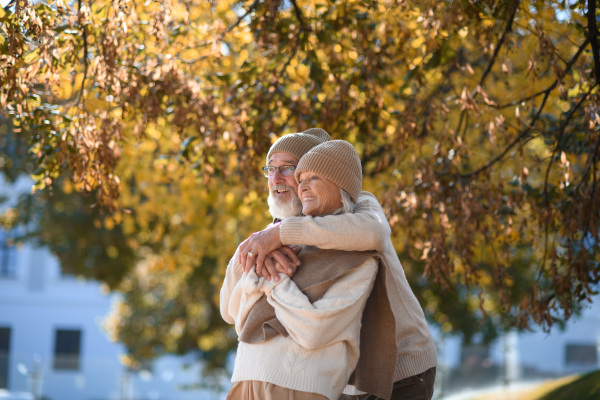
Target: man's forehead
{"points": [[283, 158]]}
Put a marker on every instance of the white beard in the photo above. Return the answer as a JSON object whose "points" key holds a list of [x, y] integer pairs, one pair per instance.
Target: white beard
{"points": [[280, 209]]}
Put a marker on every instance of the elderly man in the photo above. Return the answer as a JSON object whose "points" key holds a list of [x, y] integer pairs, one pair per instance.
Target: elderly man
{"points": [[364, 229]]}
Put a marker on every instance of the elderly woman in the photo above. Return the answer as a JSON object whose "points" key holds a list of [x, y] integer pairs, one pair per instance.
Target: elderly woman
{"points": [[300, 337]]}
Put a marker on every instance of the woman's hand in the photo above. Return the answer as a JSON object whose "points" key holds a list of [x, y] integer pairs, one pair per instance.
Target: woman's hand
{"points": [[280, 261], [257, 250]]}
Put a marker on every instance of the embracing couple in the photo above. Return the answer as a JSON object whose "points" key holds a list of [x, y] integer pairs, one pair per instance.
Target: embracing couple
{"points": [[319, 299]]}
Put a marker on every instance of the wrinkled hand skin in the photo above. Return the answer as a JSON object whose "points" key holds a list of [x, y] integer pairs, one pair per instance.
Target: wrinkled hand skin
{"points": [[280, 261], [270, 256]]}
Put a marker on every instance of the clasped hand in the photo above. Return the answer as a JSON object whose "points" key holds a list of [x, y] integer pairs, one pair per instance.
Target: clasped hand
{"points": [[264, 248]]}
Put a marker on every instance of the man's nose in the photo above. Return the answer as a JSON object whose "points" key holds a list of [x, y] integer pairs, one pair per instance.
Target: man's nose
{"points": [[277, 176]]}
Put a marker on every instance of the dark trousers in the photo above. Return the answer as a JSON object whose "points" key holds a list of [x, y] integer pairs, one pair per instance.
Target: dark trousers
{"points": [[416, 387]]}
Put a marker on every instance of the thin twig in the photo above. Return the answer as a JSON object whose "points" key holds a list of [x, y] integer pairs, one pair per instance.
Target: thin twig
{"points": [[500, 156], [558, 142], [562, 129], [85, 52], [12, 51], [531, 97], [568, 66], [507, 29], [229, 29], [240, 19]]}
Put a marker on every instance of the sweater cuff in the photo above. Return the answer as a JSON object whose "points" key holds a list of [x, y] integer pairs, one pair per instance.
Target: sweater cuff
{"points": [[269, 285], [251, 282], [290, 231]]}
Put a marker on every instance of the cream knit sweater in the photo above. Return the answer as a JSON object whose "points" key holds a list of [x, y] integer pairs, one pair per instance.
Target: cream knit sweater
{"points": [[322, 348], [367, 229]]}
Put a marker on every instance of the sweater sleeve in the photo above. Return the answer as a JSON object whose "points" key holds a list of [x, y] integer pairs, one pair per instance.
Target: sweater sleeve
{"points": [[328, 319], [232, 277], [365, 229], [248, 290]]}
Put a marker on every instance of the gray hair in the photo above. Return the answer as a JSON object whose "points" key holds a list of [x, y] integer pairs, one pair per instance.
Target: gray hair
{"points": [[347, 203]]}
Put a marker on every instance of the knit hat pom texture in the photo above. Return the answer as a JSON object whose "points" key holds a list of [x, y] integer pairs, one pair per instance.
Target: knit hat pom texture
{"points": [[336, 160], [298, 144]]}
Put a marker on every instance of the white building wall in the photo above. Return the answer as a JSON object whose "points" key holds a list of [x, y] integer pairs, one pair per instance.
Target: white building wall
{"points": [[39, 300], [68, 303], [538, 350], [547, 352]]}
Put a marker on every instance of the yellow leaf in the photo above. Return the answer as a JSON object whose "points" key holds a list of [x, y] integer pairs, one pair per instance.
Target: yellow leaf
{"points": [[109, 224], [67, 187], [417, 42]]}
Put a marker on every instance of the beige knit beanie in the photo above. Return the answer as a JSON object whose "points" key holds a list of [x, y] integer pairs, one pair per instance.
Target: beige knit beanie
{"points": [[336, 160], [299, 143]]}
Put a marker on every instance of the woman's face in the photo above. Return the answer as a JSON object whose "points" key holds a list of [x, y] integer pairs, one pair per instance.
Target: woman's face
{"points": [[319, 196]]}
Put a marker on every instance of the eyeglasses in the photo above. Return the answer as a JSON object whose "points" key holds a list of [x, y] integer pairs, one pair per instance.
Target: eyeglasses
{"points": [[285, 170]]}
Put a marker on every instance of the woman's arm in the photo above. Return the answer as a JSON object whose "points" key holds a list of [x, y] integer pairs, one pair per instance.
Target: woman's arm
{"points": [[326, 320], [365, 229]]}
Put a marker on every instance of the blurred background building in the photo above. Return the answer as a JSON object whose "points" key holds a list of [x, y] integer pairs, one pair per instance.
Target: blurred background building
{"points": [[518, 357], [52, 343]]}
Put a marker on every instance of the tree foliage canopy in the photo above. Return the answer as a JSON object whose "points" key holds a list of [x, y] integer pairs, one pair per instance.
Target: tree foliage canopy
{"points": [[477, 123]]}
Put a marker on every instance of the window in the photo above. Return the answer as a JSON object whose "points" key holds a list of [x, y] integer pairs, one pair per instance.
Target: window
{"points": [[581, 354], [8, 256], [4, 354], [67, 349]]}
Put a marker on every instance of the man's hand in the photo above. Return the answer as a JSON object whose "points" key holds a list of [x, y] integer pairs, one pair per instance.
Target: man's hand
{"points": [[257, 247], [280, 261]]}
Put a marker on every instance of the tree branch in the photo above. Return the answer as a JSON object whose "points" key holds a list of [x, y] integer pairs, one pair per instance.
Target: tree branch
{"points": [[507, 29], [592, 195], [593, 37], [492, 61], [556, 149], [210, 42], [524, 133], [531, 124], [299, 15], [248, 11], [85, 52], [12, 51]]}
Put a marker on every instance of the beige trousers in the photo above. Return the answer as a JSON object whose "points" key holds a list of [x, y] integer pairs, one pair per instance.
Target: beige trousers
{"points": [[257, 390]]}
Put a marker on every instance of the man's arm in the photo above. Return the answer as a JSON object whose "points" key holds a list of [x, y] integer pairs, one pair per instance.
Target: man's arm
{"points": [[365, 229], [246, 293], [232, 277]]}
